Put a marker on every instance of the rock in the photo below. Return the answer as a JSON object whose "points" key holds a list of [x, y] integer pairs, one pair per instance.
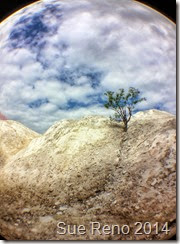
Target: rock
{"points": [[13, 137], [26, 210], [154, 182], [71, 174]]}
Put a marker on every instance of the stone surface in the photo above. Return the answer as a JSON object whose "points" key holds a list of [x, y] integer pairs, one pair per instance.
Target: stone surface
{"points": [[13, 137], [89, 170]]}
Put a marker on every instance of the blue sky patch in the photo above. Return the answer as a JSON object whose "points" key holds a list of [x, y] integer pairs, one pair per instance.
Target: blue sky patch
{"points": [[29, 33], [37, 103], [71, 76]]}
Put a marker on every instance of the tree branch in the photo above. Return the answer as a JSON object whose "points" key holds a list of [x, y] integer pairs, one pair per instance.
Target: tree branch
{"points": [[130, 113]]}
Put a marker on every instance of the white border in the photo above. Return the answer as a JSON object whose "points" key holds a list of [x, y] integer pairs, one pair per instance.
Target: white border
{"points": [[178, 191]]}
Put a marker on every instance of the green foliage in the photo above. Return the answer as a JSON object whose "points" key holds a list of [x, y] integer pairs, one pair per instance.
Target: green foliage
{"points": [[123, 104]]}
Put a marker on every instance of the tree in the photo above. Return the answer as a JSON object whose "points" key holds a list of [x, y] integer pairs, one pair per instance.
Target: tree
{"points": [[123, 104]]}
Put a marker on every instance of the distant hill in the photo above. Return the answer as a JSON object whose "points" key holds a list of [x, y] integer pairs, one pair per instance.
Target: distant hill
{"points": [[2, 117]]}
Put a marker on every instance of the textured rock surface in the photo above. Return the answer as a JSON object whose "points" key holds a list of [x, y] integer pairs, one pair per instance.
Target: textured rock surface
{"points": [[13, 137], [90, 170]]}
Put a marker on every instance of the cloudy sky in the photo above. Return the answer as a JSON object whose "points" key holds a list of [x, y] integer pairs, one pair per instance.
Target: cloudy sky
{"points": [[57, 59]]}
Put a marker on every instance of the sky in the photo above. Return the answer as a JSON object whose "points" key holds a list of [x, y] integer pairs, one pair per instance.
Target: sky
{"points": [[57, 59]]}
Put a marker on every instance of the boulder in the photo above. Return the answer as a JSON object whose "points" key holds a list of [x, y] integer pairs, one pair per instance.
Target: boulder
{"points": [[87, 179]]}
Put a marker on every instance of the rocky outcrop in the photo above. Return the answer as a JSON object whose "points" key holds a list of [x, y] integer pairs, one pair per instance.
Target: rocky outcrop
{"points": [[89, 170], [13, 137]]}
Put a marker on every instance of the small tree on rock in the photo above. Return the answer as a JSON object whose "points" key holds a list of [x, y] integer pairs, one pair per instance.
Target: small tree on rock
{"points": [[123, 104]]}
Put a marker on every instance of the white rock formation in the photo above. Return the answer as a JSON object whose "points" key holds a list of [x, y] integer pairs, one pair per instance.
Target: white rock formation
{"points": [[90, 170], [13, 137]]}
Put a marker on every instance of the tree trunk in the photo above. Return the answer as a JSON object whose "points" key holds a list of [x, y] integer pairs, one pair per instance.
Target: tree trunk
{"points": [[125, 126]]}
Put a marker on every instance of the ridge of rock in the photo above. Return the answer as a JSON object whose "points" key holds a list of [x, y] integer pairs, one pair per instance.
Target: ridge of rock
{"points": [[90, 170], [13, 137]]}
